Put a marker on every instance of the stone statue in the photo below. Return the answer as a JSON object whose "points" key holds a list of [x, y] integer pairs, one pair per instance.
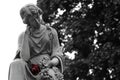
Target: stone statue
{"points": [[39, 55]]}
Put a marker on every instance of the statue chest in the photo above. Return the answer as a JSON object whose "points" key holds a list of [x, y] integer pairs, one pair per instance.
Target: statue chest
{"points": [[40, 43]]}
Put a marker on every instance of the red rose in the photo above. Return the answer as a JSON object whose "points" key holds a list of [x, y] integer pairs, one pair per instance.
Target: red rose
{"points": [[35, 69]]}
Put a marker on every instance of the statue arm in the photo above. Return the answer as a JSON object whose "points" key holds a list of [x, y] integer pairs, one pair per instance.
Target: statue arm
{"points": [[20, 42], [57, 55]]}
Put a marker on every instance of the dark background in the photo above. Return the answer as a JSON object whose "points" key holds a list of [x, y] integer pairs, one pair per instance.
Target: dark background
{"points": [[78, 30]]}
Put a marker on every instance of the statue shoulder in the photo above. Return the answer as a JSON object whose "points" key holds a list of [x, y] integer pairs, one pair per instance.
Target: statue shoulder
{"points": [[21, 37], [53, 30]]}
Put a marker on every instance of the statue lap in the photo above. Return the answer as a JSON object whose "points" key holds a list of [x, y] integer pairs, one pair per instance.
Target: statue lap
{"points": [[20, 69]]}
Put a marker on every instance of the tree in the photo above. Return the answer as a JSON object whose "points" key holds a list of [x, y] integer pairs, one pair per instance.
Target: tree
{"points": [[92, 29]]}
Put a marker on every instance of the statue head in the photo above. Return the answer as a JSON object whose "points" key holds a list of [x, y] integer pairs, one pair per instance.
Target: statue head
{"points": [[31, 15]]}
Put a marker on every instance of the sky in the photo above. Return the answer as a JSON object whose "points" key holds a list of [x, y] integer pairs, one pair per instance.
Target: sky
{"points": [[10, 28]]}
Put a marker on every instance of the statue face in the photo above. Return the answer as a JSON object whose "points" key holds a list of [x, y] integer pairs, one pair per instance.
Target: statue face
{"points": [[33, 21]]}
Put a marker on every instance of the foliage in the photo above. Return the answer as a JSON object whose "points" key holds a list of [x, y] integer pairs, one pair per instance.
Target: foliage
{"points": [[93, 30]]}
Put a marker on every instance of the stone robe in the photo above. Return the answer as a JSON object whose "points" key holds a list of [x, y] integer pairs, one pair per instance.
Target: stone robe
{"points": [[33, 45]]}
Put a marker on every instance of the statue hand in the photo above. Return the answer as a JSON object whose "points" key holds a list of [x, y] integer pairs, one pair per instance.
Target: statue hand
{"points": [[48, 64], [52, 62]]}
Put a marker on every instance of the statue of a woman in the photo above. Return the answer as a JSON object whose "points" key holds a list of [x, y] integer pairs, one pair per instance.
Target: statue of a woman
{"points": [[41, 57]]}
